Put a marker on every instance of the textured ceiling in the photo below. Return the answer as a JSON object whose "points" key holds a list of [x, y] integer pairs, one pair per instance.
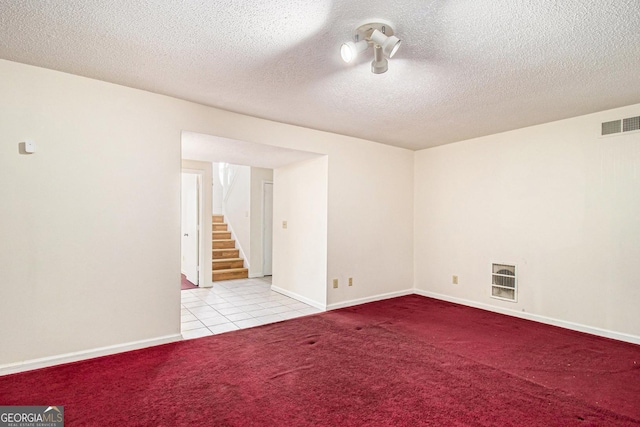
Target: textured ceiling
{"points": [[466, 68]]}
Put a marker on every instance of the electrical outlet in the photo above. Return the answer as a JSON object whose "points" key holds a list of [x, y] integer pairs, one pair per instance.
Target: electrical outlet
{"points": [[335, 283], [454, 280], [350, 281]]}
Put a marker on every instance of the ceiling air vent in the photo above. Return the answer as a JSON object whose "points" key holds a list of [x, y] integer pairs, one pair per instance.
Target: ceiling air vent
{"points": [[611, 127], [632, 123], [618, 126]]}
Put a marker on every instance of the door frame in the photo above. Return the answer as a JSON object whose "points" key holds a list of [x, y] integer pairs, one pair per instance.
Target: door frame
{"points": [[264, 245]]}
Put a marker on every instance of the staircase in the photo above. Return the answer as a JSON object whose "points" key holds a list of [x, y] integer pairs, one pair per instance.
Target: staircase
{"points": [[226, 261]]}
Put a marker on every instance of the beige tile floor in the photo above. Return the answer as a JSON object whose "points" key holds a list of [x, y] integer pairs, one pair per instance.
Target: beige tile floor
{"points": [[236, 304]]}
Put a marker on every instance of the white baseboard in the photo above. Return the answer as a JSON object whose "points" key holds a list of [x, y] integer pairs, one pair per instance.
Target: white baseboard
{"points": [[373, 298], [535, 317], [299, 297], [44, 362]]}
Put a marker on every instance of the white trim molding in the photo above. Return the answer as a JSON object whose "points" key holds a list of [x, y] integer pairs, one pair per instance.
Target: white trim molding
{"points": [[372, 298], [45, 362], [535, 317], [299, 297], [242, 255]]}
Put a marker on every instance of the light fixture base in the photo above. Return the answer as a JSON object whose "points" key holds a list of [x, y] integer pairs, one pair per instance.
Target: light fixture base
{"points": [[363, 32]]}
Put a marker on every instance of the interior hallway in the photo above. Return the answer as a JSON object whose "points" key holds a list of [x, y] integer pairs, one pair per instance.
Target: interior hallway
{"points": [[236, 304]]}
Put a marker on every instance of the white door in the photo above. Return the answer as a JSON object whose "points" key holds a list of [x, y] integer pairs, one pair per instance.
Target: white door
{"points": [[267, 228], [189, 228]]}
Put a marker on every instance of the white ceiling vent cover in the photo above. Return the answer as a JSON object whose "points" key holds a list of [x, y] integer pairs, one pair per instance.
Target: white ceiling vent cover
{"points": [[619, 126], [609, 128], [503, 282], [632, 123]]}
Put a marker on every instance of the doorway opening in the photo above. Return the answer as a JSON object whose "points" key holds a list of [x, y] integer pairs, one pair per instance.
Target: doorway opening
{"points": [[294, 257]]}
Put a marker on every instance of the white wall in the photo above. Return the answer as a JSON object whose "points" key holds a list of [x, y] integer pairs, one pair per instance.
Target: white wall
{"points": [[237, 206], [300, 249], [93, 218], [90, 223], [370, 222], [216, 189], [370, 206], [258, 177], [557, 200]]}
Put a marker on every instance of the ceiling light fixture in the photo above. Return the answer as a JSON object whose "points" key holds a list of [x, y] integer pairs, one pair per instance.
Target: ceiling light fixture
{"points": [[377, 34]]}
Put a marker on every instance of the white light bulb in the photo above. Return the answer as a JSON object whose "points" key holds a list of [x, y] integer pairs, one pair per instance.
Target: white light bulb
{"points": [[350, 50], [346, 52]]}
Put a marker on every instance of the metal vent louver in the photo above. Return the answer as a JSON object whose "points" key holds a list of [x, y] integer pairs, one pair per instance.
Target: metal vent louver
{"points": [[632, 123], [503, 282], [618, 126], [611, 127]]}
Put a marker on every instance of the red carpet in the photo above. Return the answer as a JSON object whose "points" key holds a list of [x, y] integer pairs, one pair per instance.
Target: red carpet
{"points": [[409, 361], [185, 284]]}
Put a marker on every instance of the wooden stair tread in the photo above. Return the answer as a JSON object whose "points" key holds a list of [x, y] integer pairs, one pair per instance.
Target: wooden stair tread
{"points": [[230, 274], [224, 243], [221, 264], [222, 235], [225, 253]]}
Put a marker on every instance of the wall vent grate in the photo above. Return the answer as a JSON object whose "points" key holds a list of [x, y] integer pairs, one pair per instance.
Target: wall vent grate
{"points": [[629, 124], [611, 127], [503, 282], [632, 123]]}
